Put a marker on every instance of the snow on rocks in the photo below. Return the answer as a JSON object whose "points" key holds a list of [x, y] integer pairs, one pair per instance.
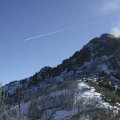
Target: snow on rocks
{"points": [[88, 94]]}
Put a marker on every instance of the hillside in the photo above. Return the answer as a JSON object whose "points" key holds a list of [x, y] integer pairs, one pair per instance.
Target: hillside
{"points": [[84, 87]]}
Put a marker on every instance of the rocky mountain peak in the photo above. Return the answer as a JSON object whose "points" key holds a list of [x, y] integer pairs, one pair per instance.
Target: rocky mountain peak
{"points": [[87, 81]]}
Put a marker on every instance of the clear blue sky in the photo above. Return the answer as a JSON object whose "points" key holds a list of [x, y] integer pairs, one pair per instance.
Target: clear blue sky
{"points": [[22, 19]]}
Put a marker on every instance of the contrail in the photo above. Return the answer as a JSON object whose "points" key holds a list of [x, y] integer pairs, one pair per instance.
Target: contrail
{"points": [[50, 33], [66, 29]]}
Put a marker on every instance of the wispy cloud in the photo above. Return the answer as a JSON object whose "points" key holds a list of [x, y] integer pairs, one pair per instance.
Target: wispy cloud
{"points": [[115, 31], [109, 6]]}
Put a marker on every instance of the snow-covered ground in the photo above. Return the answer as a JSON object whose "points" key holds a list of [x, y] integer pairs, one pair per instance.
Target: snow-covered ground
{"points": [[88, 94], [90, 99], [85, 97]]}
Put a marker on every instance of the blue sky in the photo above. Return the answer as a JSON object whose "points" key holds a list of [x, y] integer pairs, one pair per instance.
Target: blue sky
{"points": [[23, 19]]}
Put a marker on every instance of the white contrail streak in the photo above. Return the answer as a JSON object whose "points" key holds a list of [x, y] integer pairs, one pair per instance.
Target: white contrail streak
{"points": [[66, 29], [50, 33]]}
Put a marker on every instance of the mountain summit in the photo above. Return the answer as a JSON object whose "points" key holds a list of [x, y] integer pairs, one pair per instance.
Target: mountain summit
{"points": [[82, 87]]}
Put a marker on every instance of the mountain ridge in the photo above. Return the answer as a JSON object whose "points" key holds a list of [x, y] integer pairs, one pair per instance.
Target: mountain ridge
{"points": [[85, 59], [94, 71], [103, 39]]}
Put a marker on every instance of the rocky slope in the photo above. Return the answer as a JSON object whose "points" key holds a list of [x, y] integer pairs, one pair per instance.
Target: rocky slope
{"points": [[86, 84]]}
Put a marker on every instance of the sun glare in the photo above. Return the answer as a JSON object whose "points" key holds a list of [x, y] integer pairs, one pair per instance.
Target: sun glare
{"points": [[116, 32]]}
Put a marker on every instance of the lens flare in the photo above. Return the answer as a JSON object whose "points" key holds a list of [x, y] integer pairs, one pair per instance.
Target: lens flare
{"points": [[116, 32]]}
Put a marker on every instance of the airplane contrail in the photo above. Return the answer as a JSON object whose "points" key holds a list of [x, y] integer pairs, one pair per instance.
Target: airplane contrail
{"points": [[65, 29], [50, 33]]}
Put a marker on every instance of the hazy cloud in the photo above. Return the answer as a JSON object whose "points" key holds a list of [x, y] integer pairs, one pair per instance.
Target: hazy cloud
{"points": [[109, 6], [115, 31]]}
